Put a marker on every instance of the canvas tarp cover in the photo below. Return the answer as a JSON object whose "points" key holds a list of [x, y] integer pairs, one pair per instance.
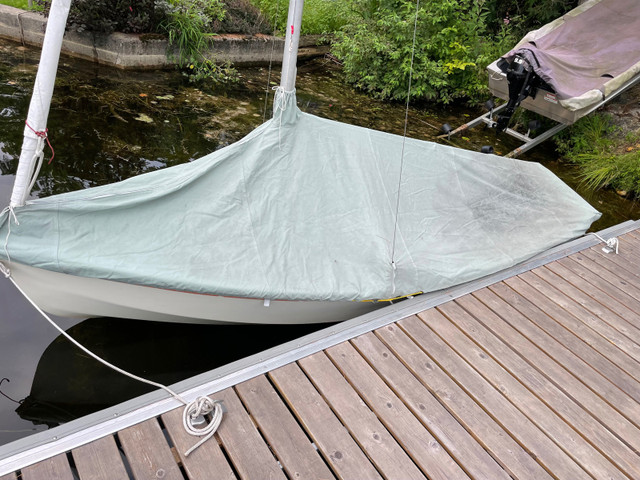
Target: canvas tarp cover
{"points": [[304, 208], [588, 53]]}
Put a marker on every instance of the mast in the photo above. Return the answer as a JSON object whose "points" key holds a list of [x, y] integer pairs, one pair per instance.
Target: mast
{"points": [[40, 101], [292, 40]]}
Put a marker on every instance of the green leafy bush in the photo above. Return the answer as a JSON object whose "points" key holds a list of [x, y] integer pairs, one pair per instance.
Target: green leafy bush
{"points": [[529, 14], [454, 44], [318, 16], [141, 16], [151, 16]]}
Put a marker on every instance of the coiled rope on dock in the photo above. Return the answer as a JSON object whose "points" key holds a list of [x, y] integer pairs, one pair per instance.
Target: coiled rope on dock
{"points": [[194, 413]]}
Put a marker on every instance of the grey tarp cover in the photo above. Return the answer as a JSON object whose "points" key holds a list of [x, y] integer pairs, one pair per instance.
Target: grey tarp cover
{"points": [[588, 52], [304, 208]]}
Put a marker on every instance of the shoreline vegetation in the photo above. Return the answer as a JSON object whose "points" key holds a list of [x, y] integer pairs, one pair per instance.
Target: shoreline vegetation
{"points": [[371, 40]]}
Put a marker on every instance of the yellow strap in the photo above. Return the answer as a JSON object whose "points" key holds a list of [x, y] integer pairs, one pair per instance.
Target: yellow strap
{"points": [[393, 299]]}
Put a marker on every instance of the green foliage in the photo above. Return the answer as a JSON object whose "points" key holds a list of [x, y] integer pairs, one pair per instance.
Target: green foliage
{"points": [[109, 16], [593, 133], [242, 17], [23, 4], [453, 46], [620, 171], [152, 16], [318, 16], [604, 157], [188, 26], [208, 70], [528, 14]]}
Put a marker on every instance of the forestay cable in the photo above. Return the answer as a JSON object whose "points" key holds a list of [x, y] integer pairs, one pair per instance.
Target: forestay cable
{"points": [[273, 46], [404, 139]]}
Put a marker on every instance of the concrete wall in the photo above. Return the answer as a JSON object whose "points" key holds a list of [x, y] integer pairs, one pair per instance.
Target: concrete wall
{"points": [[132, 51]]}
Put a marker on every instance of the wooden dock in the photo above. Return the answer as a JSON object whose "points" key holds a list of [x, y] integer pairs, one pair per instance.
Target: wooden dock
{"points": [[534, 376]]}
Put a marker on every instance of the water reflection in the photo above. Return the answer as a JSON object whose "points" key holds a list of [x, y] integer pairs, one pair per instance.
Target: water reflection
{"points": [[24, 336], [68, 384]]}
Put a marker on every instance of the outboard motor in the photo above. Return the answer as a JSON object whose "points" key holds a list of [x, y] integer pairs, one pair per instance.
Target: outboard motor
{"points": [[521, 85]]}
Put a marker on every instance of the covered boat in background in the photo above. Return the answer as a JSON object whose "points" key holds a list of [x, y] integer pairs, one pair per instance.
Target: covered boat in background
{"points": [[565, 69], [304, 220], [577, 61]]}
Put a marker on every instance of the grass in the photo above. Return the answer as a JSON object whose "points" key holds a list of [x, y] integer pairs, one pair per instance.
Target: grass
{"points": [[23, 4], [606, 158], [318, 17]]}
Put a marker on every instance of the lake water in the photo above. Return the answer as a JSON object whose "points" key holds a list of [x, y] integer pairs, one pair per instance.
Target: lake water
{"points": [[106, 125]]}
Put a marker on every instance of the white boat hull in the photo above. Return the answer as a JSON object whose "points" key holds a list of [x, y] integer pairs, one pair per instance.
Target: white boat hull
{"points": [[71, 296]]}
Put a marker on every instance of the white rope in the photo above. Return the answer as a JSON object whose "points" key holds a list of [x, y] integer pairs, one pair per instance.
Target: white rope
{"points": [[281, 100], [611, 244], [197, 410], [194, 411], [39, 154], [404, 139], [12, 215]]}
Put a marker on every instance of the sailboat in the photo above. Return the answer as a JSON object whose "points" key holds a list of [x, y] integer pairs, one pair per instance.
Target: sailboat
{"points": [[303, 220]]}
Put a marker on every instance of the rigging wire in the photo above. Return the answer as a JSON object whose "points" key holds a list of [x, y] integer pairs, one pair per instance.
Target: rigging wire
{"points": [[404, 138], [273, 46]]}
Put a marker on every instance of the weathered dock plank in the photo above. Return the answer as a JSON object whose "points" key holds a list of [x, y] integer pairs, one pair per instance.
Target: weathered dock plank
{"points": [[434, 461], [461, 445], [633, 240], [288, 441], [100, 460], [619, 277], [581, 331], [540, 400], [547, 451], [372, 436], [598, 295], [625, 264], [553, 348], [534, 310], [607, 287], [598, 307], [148, 452], [248, 452], [564, 376], [10, 476], [206, 460], [54, 468], [331, 437], [613, 336], [517, 460]]}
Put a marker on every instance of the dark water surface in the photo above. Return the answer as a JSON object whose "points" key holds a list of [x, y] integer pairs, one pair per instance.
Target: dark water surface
{"points": [[106, 125]]}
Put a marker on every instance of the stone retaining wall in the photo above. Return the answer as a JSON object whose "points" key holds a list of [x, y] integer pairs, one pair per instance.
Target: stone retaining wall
{"points": [[133, 51]]}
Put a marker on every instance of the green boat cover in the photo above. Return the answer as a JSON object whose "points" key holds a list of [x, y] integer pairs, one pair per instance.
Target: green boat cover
{"points": [[304, 208]]}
